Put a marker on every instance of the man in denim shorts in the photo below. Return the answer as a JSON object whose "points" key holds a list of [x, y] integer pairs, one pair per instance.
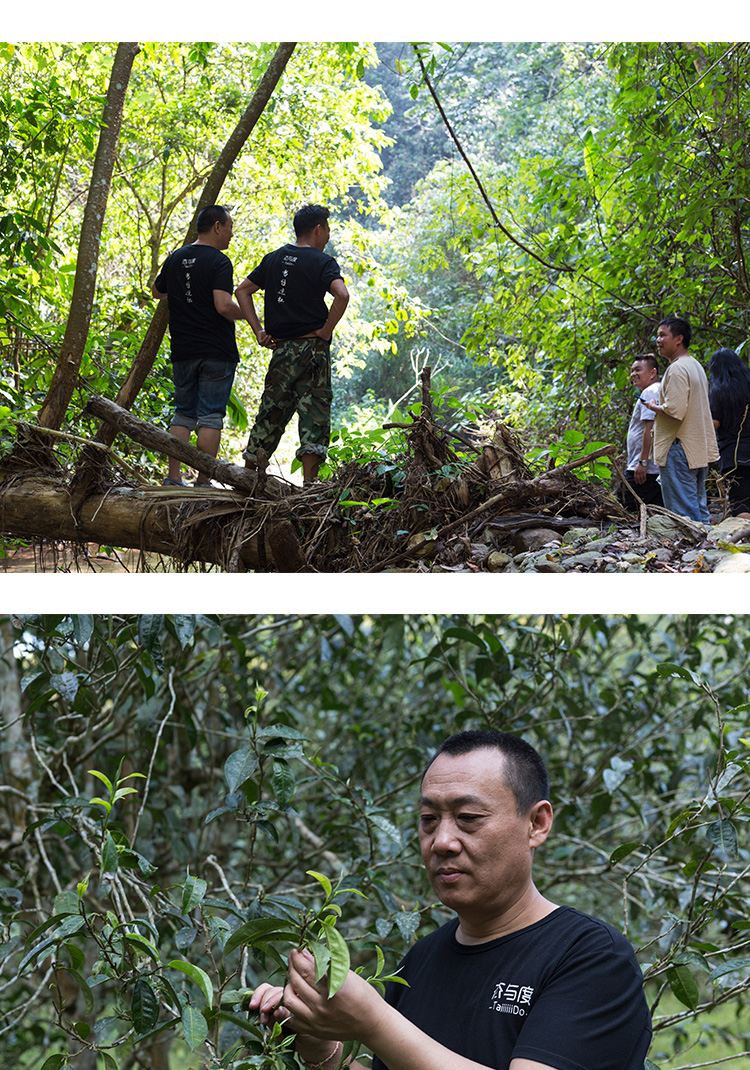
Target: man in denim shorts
{"points": [[298, 328], [197, 281]]}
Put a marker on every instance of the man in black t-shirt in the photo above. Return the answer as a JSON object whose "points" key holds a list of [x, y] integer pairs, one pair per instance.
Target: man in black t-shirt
{"points": [[298, 327], [197, 282], [514, 981]]}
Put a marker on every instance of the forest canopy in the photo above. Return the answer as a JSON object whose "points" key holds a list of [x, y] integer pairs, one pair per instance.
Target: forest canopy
{"points": [[615, 170], [185, 795]]}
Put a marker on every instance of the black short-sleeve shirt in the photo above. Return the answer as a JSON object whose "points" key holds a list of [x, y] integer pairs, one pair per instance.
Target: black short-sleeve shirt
{"points": [[566, 991], [733, 440], [189, 277], [295, 279]]}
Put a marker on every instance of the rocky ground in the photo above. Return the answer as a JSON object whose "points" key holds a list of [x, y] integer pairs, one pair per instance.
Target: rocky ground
{"points": [[670, 544]]}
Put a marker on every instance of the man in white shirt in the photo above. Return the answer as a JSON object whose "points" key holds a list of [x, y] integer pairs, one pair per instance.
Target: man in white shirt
{"points": [[642, 471]]}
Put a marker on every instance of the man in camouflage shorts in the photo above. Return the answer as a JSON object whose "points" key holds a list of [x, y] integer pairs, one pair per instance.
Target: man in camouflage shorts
{"points": [[298, 327]]}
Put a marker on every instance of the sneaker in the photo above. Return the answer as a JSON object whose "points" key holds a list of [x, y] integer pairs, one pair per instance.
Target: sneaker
{"points": [[167, 482]]}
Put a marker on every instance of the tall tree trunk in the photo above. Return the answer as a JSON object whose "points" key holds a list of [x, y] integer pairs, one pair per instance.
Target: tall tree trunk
{"points": [[15, 763], [77, 329], [146, 356]]}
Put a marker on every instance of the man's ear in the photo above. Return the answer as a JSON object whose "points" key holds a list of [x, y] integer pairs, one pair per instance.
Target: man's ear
{"points": [[540, 822]]}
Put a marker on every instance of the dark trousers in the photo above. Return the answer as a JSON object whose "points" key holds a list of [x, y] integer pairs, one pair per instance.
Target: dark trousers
{"points": [[649, 492]]}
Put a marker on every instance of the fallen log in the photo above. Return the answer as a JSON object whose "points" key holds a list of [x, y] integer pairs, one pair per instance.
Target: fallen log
{"points": [[153, 438], [153, 521]]}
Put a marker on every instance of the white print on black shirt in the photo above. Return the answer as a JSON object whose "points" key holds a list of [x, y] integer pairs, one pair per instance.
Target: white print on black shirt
{"points": [[282, 289], [187, 264], [511, 999]]}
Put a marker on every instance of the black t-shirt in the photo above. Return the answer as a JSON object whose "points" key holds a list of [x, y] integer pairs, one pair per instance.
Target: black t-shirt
{"points": [[295, 279], [733, 440], [189, 277], [566, 991]]}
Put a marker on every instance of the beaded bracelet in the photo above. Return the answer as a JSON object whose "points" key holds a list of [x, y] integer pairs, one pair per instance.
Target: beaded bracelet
{"points": [[320, 1065]]}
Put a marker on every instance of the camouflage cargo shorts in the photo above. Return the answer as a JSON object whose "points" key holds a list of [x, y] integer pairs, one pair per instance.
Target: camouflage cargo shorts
{"points": [[298, 380]]}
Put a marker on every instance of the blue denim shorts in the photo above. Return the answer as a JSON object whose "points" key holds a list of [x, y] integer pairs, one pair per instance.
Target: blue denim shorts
{"points": [[201, 392]]}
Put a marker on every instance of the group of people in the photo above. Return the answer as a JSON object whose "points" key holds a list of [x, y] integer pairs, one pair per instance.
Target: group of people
{"points": [[197, 282], [681, 423], [686, 422]]}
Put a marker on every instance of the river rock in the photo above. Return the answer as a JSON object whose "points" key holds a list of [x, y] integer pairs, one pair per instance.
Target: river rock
{"points": [[535, 539], [734, 563]]}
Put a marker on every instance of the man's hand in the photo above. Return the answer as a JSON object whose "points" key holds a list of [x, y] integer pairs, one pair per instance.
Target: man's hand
{"points": [[351, 1014], [265, 339], [267, 1000], [640, 474]]}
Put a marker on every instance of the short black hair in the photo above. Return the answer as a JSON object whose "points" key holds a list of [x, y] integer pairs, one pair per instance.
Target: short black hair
{"points": [[524, 770], [212, 213], [647, 358], [308, 217], [678, 326]]}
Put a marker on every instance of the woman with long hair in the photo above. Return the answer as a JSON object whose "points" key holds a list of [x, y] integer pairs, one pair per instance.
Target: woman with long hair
{"points": [[729, 396]]}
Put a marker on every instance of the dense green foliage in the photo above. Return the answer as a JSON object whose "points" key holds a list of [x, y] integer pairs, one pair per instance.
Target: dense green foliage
{"points": [[619, 168], [173, 784]]}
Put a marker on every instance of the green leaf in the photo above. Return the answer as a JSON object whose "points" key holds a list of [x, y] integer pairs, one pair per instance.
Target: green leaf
{"points": [[281, 731], [193, 891], [194, 1027], [668, 669], [83, 627], [142, 944], [467, 635], [322, 956], [407, 923], [682, 983], [144, 1006], [110, 858], [56, 919], [54, 1062], [252, 933], [322, 879], [104, 779], [239, 767], [727, 970], [197, 976], [624, 850], [66, 684], [184, 626], [88, 995], [283, 782], [723, 835], [340, 959], [691, 958], [150, 627]]}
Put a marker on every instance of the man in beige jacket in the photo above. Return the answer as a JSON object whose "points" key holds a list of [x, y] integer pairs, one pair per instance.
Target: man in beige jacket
{"points": [[684, 436]]}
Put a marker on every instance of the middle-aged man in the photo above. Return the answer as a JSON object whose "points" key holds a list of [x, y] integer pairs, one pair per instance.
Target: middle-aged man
{"points": [[298, 326], [642, 471], [684, 436], [514, 981], [197, 282]]}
